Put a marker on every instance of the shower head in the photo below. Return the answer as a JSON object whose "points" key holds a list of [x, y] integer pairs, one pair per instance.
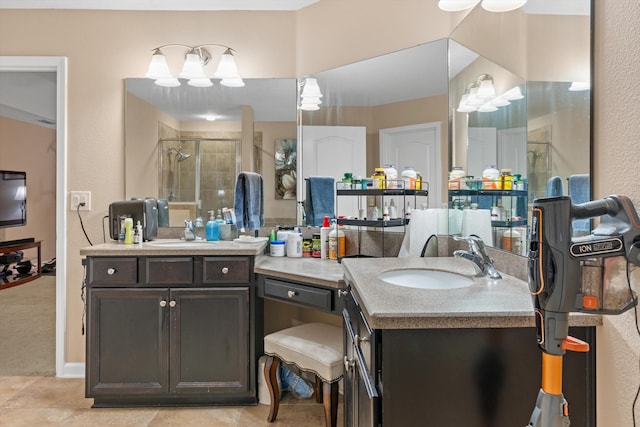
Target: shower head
{"points": [[182, 156], [179, 154]]}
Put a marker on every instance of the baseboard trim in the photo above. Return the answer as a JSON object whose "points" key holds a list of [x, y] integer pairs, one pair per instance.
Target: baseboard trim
{"points": [[72, 370]]}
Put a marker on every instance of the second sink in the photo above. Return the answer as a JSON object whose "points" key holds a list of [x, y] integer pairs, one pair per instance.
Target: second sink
{"points": [[425, 279]]}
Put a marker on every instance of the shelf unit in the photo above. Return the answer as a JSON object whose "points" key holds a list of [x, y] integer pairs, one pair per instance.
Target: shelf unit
{"points": [[18, 279], [377, 225], [511, 199]]}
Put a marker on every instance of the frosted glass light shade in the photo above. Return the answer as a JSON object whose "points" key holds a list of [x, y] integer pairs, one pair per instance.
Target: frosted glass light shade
{"points": [[486, 89], [311, 88], [513, 94], [578, 86], [456, 5], [232, 82], [204, 82], [158, 67], [170, 82], [309, 107], [227, 68], [464, 107], [192, 68], [499, 102], [502, 5], [487, 108]]}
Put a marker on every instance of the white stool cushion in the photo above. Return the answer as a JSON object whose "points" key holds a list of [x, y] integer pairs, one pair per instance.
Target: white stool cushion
{"points": [[314, 347]]}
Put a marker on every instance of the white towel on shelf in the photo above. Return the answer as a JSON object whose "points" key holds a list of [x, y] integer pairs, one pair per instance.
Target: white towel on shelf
{"points": [[478, 222], [423, 224]]}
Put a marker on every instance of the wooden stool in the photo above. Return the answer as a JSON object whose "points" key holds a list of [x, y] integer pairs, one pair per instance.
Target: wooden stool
{"points": [[312, 347]]}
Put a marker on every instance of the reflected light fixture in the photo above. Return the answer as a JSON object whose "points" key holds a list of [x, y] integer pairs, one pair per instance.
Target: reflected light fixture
{"points": [[578, 86], [480, 96], [196, 58], [489, 5], [310, 95]]}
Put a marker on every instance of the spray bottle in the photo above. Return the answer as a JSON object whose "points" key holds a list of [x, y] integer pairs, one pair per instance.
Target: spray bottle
{"points": [[324, 238]]}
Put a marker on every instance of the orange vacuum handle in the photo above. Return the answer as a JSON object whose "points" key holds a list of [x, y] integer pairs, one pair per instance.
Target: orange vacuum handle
{"points": [[574, 344]]}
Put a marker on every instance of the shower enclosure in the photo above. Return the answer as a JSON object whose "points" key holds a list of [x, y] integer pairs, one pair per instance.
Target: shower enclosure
{"points": [[198, 171]]}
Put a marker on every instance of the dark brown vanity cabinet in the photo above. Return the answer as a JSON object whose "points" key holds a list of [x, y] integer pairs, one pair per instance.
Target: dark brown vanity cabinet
{"points": [[454, 377], [170, 330]]}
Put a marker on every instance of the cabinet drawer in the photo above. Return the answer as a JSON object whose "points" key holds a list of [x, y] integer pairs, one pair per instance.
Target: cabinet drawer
{"points": [[300, 294], [112, 271], [169, 271], [226, 270]]}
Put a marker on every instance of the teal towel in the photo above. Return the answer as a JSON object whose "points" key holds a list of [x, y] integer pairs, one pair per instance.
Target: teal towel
{"points": [[249, 201], [554, 187], [580, 192], [320, 199]]}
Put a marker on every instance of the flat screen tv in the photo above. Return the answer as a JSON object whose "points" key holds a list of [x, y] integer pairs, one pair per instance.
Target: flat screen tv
{"points": [[13, 198]]}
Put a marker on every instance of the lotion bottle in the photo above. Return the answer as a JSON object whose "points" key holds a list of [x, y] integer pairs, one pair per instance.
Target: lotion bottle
{"points": [[128, 231], [137, 236], [324, 238]]}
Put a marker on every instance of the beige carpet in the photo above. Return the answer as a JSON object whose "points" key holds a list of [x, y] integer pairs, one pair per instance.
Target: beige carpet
{"points": [[27, 328]]}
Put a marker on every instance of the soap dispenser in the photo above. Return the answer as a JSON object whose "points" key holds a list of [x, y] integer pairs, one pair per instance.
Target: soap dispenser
{"points": [[212, 228]]}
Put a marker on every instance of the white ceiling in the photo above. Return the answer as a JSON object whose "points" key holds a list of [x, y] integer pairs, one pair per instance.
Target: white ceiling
{"points": [[158, 4]]}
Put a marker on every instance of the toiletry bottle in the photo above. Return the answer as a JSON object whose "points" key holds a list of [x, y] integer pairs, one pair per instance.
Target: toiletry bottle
{"points": [[137, 236], [324, 238], [219, 219], [337, 241], [212, 229], [393, 210], [385, 212], [407, 212], [294, 245], [418, 180], [495, 213], [121, 235], [128, 231]]}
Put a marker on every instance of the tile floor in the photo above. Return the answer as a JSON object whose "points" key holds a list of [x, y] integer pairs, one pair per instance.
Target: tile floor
{"points": [[50, 401]]}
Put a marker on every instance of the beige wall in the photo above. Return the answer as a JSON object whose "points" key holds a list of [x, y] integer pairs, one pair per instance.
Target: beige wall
{"points": [[32, 149], [105, 47]]}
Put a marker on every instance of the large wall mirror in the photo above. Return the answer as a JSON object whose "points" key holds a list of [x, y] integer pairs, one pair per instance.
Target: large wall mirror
{"points": [[187, 144], [542, 52]]}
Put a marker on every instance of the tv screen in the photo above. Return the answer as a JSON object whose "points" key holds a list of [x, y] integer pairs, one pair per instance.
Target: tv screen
{"points": [[13, 198]]}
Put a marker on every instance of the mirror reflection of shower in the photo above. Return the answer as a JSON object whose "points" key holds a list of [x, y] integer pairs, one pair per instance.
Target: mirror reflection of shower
{"points": [[198, 173], [175, 157]]}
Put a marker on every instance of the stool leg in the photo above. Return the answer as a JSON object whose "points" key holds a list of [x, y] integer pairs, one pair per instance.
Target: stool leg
{"points": [[318, 389], [330, 399], [271, 379]]}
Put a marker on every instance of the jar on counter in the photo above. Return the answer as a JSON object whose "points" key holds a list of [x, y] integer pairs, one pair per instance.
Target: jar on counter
{"points": [[277, 248], [392, 175], [379, 179], [409, 176], [506, 180], [490, 178], [456, 177]]}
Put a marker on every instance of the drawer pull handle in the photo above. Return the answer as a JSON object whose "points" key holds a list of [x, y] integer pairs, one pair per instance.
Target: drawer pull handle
{"points": [[111, 271], [342, 293], [348, 363], [172, 303], [358, 339], [225, 270], [163, 303], [291, 294]]}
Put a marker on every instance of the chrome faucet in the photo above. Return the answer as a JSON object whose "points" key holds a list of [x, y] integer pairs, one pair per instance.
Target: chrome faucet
{"points": [[189, 230], [477, 254]]}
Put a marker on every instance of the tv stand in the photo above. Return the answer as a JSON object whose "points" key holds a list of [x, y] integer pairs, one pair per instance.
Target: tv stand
{"points": [[10, 280]]}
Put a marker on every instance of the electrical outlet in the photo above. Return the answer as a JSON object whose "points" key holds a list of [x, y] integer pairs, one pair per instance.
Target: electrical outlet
{"points": [[80, 197]]}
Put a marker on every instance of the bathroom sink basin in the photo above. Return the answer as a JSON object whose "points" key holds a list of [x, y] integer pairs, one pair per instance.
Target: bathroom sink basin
{"points": [[183, 244], [425, 279]]}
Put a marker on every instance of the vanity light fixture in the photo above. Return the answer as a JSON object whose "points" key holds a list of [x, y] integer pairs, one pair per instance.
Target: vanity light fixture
{"points": [[197, 57], [489, 5], [485, 87], [513, 94], [310, 95]]}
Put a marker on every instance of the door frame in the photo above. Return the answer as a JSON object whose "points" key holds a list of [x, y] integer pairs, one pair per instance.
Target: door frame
{"points": [[57, 64]]}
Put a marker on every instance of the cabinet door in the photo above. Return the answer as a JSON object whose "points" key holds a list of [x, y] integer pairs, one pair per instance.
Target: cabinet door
{"points": [[210, 341], [127, 342]]}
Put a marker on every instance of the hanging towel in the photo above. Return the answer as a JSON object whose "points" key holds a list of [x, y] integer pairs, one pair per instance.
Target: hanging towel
{"points": [[579, 191], [249, 201], [554, 187], [320, 199]]}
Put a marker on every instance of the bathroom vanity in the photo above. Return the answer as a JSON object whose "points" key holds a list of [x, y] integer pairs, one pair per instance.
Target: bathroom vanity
{"points": [[171, 324], [450, 357]]}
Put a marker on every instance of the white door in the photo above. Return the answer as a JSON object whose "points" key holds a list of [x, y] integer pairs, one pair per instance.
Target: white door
{"points": [[512, 150], [482, 150], [332, 151], [417, 146]]}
